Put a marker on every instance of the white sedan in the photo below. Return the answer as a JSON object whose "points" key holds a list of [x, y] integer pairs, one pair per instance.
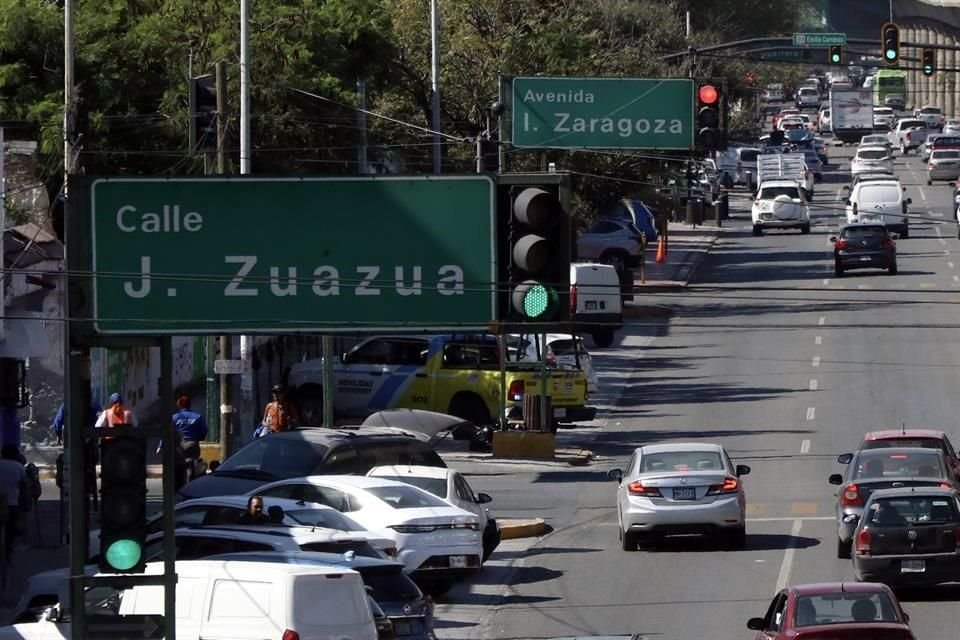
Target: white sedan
{"points": [[451, 486], [872, 160], [680, 488], [436, 542]]}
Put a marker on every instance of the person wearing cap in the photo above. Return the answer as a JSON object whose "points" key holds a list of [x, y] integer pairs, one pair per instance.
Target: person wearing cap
{"points": [[191, 428], [116, 414], [280, 414]]}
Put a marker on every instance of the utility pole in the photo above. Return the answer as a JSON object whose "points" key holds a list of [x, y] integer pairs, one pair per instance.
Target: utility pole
{"points": [[226, 345], [246, 378], [435, 82]]}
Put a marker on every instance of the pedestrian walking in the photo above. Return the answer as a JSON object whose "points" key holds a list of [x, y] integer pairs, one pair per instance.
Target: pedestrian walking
{"points": [[280, 414], [190, 429], [13, 479]]}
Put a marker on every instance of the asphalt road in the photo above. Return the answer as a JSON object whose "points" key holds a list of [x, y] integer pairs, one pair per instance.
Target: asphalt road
{"points": [[786, 366]]}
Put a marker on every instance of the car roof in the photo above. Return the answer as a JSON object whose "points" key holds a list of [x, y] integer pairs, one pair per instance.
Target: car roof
{"points": [[837, 587], [913, 491], [309, 557], [679, 446], [413, 470], [893, 434], [359, 482], [872, 147]]}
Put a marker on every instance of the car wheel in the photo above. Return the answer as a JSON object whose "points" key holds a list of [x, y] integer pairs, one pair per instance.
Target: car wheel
{"points": [[805, 228], [628, 540], [903, 149], [892, 269], [958, 232], [309, 400], [843, 548], [838, 270], [603, 338], [737, 537], [906, 232], [491, 539], [757, 230], [929, 183]]}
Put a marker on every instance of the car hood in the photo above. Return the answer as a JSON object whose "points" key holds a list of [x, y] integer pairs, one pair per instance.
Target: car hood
{"points": [[222, 483], [420, 423]]}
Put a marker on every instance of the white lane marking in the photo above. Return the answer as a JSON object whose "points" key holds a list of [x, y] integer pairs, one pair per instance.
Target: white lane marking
{"points": [[939, 235], [923, 196], [840, 194], [822, 320], [826, 281], [785, 567], [816, 361], [782, 519], [956, 278], [936, 215], [805, 446], [818, 340], [811, 413], [813, 385], [950, 264]]}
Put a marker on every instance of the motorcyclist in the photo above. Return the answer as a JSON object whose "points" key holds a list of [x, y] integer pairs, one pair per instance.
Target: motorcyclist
{"points": [[191, 428]]}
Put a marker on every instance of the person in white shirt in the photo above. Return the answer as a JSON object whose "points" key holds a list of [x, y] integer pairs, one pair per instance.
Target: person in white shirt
{"points": [[12, 477], [116, 414]]}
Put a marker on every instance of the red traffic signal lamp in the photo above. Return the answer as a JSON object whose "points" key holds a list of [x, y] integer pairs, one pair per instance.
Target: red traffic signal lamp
{"points": [[709, 100]]}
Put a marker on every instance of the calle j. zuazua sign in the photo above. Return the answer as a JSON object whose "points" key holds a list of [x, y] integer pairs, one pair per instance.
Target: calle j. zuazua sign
{"points": [[187, 255]]}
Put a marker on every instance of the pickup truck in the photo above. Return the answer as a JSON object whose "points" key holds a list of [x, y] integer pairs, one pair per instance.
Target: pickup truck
{"points": [[908, 134], [454, 374]]}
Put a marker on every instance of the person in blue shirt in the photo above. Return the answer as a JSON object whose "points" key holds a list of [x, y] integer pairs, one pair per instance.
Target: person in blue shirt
{"points": [[191, 429], [91, 450], [59, 419]]}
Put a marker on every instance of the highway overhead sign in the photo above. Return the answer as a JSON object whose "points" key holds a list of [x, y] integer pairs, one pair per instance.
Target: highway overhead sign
{"points": [[819, 39], [602, 113], [216, 255]]}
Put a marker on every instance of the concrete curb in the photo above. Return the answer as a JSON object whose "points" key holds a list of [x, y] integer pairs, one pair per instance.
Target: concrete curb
{"points": [[685, 271], [513, 529]]}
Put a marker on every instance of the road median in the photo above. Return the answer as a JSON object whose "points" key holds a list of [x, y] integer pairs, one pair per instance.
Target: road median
{"points": [[522, 528]]}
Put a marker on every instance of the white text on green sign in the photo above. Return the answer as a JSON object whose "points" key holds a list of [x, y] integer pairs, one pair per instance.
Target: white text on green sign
{"points": [[819, 39]]}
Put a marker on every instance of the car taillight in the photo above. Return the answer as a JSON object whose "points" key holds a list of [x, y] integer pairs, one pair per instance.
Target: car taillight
{"points": [[841, 244], [757, 201], [573, 298], [908, 136], [290, 635], [930, 165], [863, 542], [946, 485], [888, 243], [636, 488], [515, 392], [730, 485], [851, 496]]}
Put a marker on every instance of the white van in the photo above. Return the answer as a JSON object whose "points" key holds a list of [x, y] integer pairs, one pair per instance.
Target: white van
{"points": [[242, 601], [880, 201], [596, 305]]}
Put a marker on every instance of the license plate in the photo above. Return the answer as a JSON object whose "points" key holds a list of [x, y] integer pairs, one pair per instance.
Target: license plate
{"points": [[458, 562], [912, 566], [591, 305], [402, 628], [685, 493]]}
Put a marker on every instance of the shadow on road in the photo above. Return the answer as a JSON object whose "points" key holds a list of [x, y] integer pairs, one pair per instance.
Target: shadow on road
{"points": [[942, 593], [543, 551], [755, 542]]}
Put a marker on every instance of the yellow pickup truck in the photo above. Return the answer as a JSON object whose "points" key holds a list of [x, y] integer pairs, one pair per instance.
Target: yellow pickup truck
{"points": [[455, 374]]}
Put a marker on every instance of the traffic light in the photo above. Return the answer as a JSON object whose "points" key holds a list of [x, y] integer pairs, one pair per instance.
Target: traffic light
{"points": [[890, 41], [836, 54], [708, 117], [203, 113], [123, 502], [929, 62], [538, 253]]}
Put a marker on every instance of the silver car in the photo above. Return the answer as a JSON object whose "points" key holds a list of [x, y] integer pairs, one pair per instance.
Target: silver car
{"points": [[944, 164], [611, 241], [883, 117], [680, 488]]}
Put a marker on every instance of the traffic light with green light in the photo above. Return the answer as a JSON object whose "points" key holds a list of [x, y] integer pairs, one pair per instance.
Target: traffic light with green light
{"points": [[890, 43], [539, 253], [929, 62], [836, 54], [123, 503]]}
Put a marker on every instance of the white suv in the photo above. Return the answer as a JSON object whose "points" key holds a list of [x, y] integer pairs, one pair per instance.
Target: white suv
{"points": [[932, 116], [808, 98], [880, 201], [780, 204]]}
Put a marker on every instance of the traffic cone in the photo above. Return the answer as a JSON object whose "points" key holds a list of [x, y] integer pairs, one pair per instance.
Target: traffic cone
{"points": [[661, 251]]}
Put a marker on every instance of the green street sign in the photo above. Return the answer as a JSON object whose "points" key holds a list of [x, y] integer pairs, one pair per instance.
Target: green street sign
{"points": [[602, 113], [819, 39], [194, 255]]}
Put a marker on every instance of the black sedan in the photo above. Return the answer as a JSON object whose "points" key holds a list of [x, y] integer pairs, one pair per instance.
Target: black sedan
{"points": [[908, 536], [864, 246]]}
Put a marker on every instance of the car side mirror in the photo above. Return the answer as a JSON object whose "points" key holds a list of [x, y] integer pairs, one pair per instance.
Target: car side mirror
{"points": [[615, 474], [847, 202], [846, 187], [742, 470], [894, 236], [909, 200], [833, 239], [484, 498], [756, 624], [906, 617], [835, 478], [343, 357], [52, 614], [845, 458]]}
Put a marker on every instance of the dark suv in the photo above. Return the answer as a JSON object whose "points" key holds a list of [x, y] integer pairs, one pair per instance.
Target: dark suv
{"points": [[311, 451]]}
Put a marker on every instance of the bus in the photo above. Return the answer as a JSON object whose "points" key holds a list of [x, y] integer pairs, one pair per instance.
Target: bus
{"points": [[890, 89]]}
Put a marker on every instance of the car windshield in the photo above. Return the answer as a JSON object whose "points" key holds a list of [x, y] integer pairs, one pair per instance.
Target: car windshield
{"points": [[883, 111], [945, 141], [275, 458], [898, 464], [681, 461], [749, 155], [873, 140], [389, 584], [872, 154], [406, 497], [436, 486], [930, 111], [864, 231], [915, 510], [913, 124], [905, 441], [808, 92], [945, 155], [879, 193], [843, 608], [326, 518], [769, 193]]}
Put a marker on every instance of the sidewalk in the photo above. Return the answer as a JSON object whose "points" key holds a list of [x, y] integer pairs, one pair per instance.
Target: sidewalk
{"points": [[688, 246]]}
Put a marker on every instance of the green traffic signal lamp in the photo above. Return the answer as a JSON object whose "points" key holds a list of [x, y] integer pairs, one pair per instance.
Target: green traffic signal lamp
{"points": [[534, 300], [123, 503], [890, 40], [124, 554], [836, 54], [928, 62]]}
